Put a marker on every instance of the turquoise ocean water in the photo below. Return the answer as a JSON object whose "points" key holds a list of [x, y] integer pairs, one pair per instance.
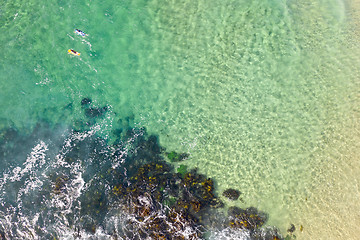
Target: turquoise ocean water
{"points": [[262, 95]]}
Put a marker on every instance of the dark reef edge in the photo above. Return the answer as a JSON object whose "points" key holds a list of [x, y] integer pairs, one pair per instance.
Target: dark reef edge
{"points": [[135, 176]]}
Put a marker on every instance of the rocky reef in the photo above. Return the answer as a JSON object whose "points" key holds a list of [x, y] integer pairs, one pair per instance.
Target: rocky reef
{"points": [[136, 177], [231, 194], [165, 202]]}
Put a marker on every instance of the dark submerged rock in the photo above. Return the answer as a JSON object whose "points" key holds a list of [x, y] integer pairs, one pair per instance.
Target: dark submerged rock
{"points": [[292, 228], [85, 102], [69, 107], [60, 184], [95, 112], [249, 218], [92, 112], [231, 194], [8, 134]]}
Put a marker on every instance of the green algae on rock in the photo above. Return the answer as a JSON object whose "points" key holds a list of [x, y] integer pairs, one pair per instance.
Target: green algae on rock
{"points": [[176, 157], [182, 169]]}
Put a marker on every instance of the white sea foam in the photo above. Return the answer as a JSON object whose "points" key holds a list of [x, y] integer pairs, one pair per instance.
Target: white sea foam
{"points": [[35, 160], [229, 234], [70, 143], [21, 221], [27, 172]]}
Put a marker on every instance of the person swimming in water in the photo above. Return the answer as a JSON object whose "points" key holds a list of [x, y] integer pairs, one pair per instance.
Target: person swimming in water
{"points": [[79, 32], [73, 52]]}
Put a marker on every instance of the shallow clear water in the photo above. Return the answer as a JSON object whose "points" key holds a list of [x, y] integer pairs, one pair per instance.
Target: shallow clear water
{"points": [[262, 94]]}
